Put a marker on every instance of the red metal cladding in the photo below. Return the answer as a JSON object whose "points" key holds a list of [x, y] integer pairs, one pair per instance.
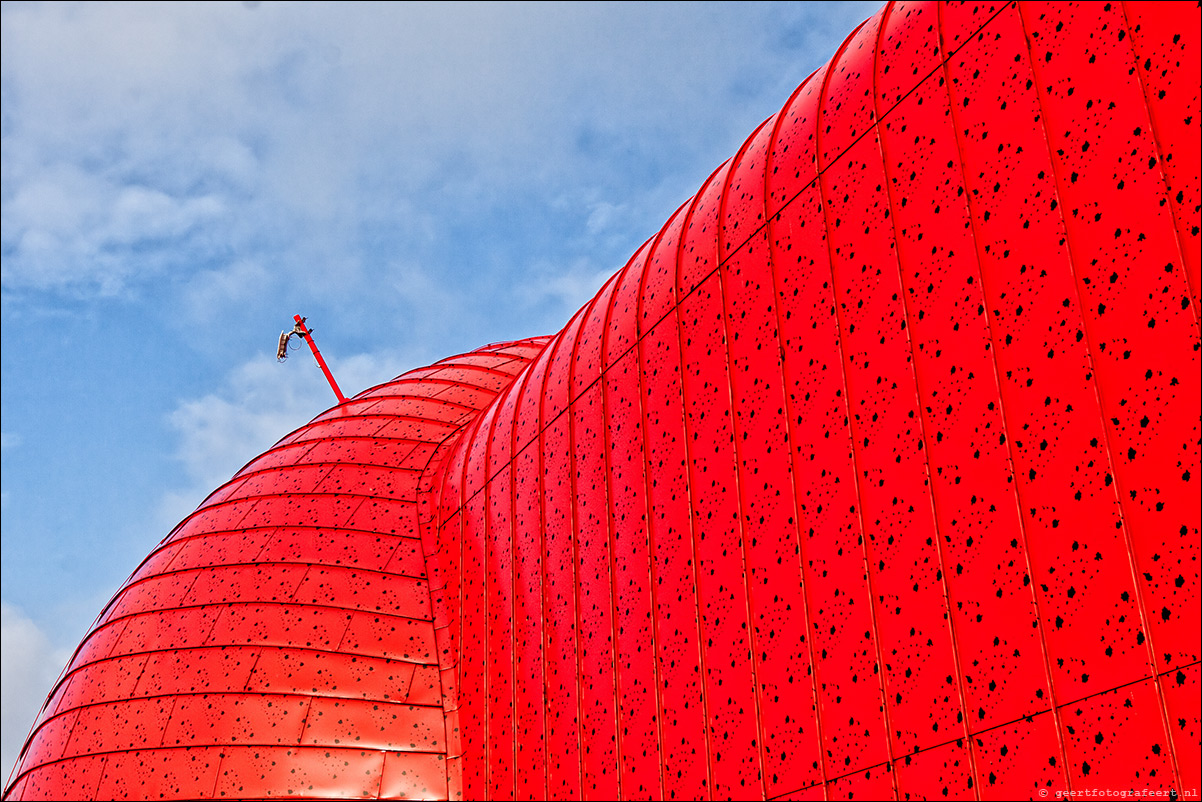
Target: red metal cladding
{"points": [[908, 463], [281, 640], [872, 473]]}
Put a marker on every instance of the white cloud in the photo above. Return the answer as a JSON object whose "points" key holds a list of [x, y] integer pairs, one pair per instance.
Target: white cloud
{"points": [[211, 291], [8, 441], [259, 403], [142, 137], [603, 216], [67, 227], [31, 664], [562, 291]]}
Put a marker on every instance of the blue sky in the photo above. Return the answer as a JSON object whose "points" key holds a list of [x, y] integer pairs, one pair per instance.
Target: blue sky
{"points": [[180, 179]]}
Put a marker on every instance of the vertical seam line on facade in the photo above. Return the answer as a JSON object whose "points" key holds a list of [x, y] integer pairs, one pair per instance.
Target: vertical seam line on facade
{"points": [[851, 441], [488, 579], [426, 487], [791, 439], [1125, 529], [544, 629], [469, 434], [517, 389], [645, 446], [607, 513], [570, 423], [736, 452], [919, 396], [1189, 291], [1022, 527], [559, 341], [676, 311]]}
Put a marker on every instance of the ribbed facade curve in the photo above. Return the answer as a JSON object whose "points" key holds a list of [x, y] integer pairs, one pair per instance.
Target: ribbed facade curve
{"points": [[873, 473], [280, 641]]}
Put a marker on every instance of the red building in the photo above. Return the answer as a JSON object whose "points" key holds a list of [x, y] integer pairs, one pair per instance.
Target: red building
{"points": [[874, 472]]}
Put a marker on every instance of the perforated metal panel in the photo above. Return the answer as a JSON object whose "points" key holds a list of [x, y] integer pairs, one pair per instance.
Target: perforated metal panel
{"points": [[876, 462], [872, 473], [280, 641]]}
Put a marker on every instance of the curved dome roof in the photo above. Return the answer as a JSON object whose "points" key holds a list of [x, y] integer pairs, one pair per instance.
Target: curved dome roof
{"points": [[281, 637]]}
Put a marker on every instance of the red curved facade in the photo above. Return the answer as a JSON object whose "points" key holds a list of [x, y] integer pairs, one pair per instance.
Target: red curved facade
{"points": [[280, 641], [873, 473]]}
